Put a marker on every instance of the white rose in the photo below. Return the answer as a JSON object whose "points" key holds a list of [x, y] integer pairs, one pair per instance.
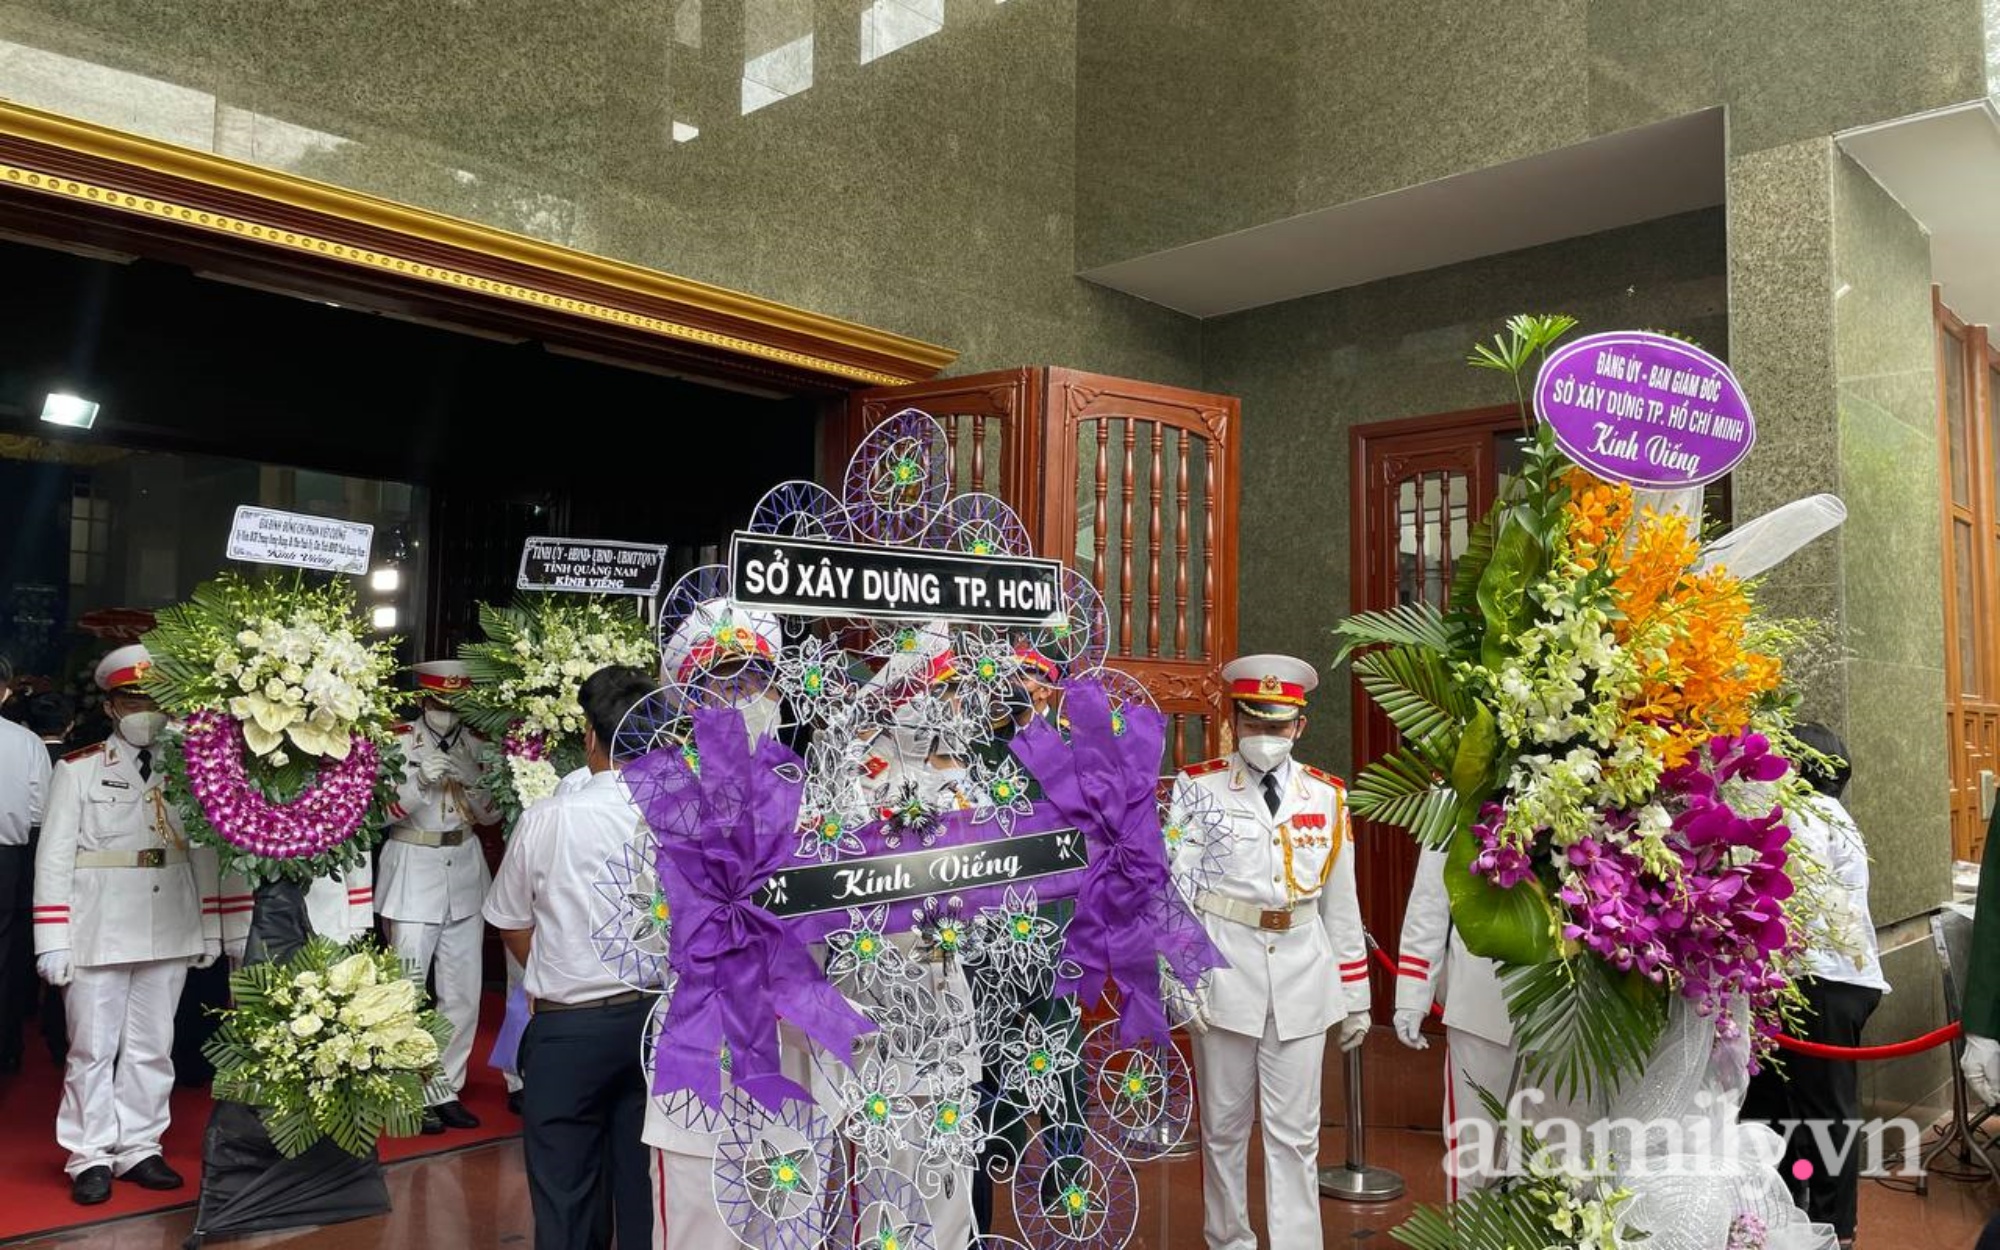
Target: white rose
{"points": [[306, 1026]]}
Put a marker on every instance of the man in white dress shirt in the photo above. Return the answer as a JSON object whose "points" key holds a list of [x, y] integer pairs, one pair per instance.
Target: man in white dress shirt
{"points": [[1284, 913], [583, 1101], [432, 875], [123, 907]]}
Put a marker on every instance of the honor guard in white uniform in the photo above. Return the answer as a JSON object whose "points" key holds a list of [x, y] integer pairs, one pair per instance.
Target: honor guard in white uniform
{"points": [[1285, 915], [123, 907], [1433, 966], [432, 878]]}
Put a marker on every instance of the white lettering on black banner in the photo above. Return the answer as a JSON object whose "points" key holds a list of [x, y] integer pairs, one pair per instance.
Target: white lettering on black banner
{"points": [[589, 566], [814, 577], [919, 874]]}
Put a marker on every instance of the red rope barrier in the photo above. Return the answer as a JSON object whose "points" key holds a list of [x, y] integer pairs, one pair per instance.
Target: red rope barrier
{"points": [[1896, 1050]]}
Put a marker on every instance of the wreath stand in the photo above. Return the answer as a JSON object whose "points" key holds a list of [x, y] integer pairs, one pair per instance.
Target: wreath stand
{"points": [[247, 1186]]}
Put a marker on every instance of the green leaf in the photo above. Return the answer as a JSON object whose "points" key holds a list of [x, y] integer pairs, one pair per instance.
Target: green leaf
{"points": [[1518, 558], [1403, 789], [1408, 624], [1417, 692], [1463, 602], [1482, 1219], [1475, 769], [1514, 926], [1582, 1027]]}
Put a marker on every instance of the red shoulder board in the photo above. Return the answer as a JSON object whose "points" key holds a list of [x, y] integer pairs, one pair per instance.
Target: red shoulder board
{"points": [[405, 727], [84, 753], [1322, 775], [875, 766], [1206, 767]]}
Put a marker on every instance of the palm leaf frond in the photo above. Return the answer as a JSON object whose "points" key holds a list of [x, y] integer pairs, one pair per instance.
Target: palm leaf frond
{"points": [[1407, 790], [1407, 624], [1415, 689], [1582, 1027], [1483, 1219], [1462, 605]]}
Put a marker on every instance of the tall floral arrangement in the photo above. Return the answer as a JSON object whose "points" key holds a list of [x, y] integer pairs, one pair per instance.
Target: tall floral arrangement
{"points": [[284, 706], [329, 1044], [1594, 732], [525, 673]]}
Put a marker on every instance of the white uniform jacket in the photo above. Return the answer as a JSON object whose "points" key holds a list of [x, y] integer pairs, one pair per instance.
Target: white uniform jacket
{"points": [[1433, 964], [435, 884], [115, 879], [1311, 975], [342, 910]]}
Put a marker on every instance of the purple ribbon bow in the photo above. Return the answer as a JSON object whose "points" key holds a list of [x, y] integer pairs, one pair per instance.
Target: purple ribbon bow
{"points": [[723, 822], [1128, 914]]}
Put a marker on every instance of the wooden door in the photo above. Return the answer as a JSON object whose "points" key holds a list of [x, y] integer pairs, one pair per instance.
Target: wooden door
{"points": [[992, 419], [1132, 485], [1140, 496], [1418, 488]]}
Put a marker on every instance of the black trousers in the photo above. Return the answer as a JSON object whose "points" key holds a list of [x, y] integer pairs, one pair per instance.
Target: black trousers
{"points": [[17, 948], [583, 1107], [1810, 1089]]}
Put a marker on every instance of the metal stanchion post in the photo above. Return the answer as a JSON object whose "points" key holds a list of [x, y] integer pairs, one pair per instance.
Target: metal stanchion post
{"points": [[1355, 1181]]}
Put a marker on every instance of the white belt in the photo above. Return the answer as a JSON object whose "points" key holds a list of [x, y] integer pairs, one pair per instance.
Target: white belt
{"points": [[427, 837], [155, 857], [1268, 919]]}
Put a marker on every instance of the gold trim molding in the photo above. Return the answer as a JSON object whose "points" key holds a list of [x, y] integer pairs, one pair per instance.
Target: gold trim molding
{"points": [[765, 329]]}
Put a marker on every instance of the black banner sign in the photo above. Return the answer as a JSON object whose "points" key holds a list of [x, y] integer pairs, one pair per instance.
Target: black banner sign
{"points": [[908, 875], [591, 567], [814, 577]]}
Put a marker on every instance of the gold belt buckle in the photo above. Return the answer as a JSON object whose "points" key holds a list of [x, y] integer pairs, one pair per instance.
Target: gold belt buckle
{"points": [[1275, 921], [451, 837], [153, 858]]}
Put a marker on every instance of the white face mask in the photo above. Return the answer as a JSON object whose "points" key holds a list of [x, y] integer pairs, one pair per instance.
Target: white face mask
{"points": [[140, 728], [440, 720], [1264, 752]]}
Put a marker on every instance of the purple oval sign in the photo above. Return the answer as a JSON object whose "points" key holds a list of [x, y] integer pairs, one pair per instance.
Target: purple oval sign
{"points": [[1645, 409]]}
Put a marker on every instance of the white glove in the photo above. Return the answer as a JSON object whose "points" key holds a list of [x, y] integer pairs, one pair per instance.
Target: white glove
{"points": [[1354, 1030], [433, 768], [1410, 1028], [211, 950], [54, 967], [234, 949], [1981, 1065]]}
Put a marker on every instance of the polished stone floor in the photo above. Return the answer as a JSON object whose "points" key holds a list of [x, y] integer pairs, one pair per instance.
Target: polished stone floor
{"points": [[478, 1197]]}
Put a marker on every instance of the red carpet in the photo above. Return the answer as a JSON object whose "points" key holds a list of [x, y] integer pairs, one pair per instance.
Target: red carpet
{"points": [[34, 1193]]}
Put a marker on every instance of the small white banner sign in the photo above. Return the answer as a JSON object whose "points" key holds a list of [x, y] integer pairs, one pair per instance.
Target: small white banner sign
{"points": [[263, 536]]}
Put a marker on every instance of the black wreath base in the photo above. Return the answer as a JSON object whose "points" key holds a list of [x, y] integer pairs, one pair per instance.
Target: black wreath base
{"points": [[246, 1185]]}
